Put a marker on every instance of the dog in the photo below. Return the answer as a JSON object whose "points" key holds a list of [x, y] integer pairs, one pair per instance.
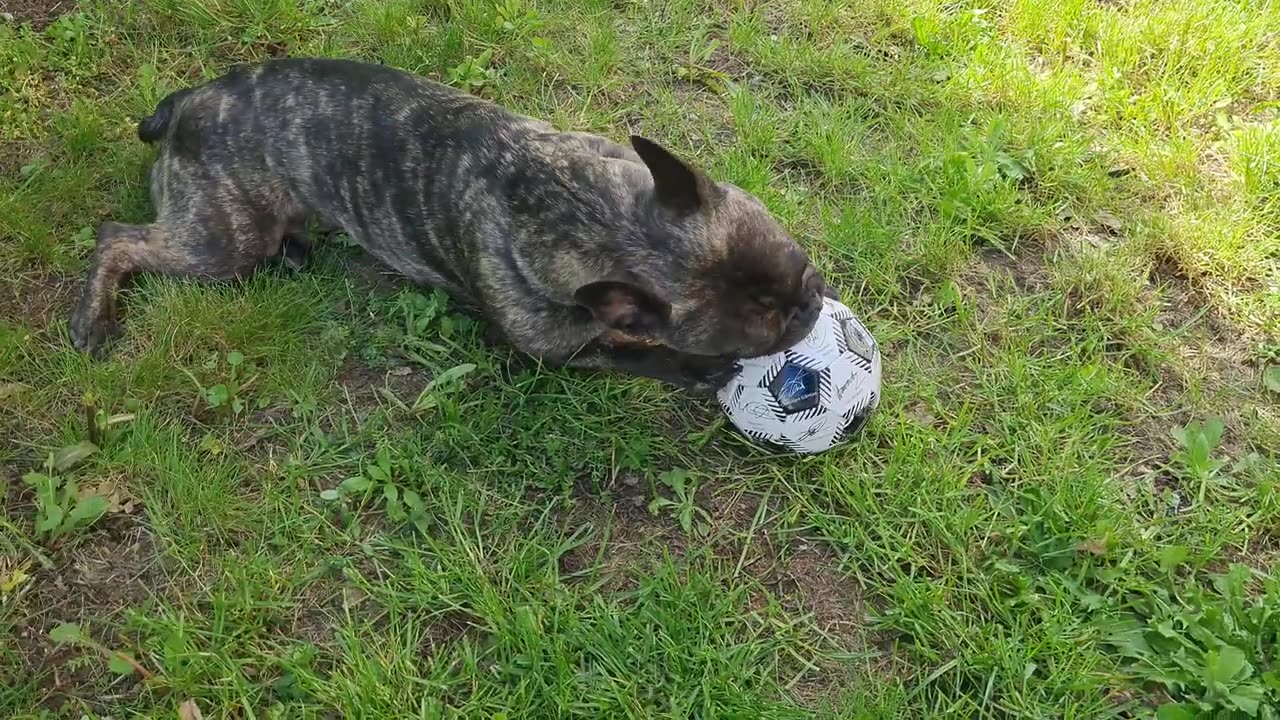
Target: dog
{"points": [[582, 251]]}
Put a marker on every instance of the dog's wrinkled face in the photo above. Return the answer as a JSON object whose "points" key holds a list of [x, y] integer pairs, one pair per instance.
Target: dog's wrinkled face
{"points": [[757, 294], [747, 289]]}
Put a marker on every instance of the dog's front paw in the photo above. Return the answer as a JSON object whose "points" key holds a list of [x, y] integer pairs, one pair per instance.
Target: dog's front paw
{"points": [[92, 335], [705, 378], [494, 337], [294, 251]]}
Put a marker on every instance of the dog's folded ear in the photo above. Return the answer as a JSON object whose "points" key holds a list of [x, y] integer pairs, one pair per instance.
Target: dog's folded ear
{"points": [[624, 307], [677, 186]]}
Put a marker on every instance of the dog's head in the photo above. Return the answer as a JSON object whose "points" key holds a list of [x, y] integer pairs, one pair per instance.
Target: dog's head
{"points": [[717, 275]]}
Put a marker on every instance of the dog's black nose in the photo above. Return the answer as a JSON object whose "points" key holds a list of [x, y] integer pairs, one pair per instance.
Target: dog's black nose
{"points": [[802, 317], [813, 282], [814, 288]]}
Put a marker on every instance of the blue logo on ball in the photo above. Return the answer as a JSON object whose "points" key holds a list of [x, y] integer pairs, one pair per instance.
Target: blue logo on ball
{"points": [[796, 388]]}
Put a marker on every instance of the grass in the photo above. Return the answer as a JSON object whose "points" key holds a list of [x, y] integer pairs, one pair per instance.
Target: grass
{"points": [[1061, 221]]}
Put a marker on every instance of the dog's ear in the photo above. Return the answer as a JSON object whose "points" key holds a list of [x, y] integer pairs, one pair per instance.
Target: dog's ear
{"points": [[624, 307], [677, 185]]}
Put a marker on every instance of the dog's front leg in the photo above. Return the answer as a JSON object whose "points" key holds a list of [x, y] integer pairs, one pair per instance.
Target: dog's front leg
{"points": [[697, 375]]}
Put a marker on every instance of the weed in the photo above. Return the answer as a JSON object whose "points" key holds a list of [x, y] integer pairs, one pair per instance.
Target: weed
{"points": [[1271, 379], [447, 383], [227, 397], [1196, 459], [118, 662], [695, 66], [474, 73], [380, 477], [980, 176], [513, 16], [1214, 649], [61, 509], [100, 425], [426, 326], [684, 487]]}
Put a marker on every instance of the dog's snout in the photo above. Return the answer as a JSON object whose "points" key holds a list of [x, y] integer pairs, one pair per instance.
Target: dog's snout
{"points": [[804, 314]]}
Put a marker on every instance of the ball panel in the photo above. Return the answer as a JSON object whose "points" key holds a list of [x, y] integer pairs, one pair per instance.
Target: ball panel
{"points": [[836, 309], [730, 396], [803, 416], [841, 381], [819, 348], [795, 447], [755, 369], [759, 412], [816, 433], [826, 389], [795, 387], [857, 419], [858, 340], [860, 364]]}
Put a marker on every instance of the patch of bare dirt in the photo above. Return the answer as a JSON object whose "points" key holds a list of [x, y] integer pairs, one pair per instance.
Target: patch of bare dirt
{"points": [[1210, 368], [727, 63], [1211, 347], [332, 600], [804, 573], [803, 169], [37, 13], [36, 298], [1025, 269], [32, 302], [1197, 364], [327, 603], [622, 534], [990, 279], [88, 583], [14, 154], [809, 575], [368, 388]]}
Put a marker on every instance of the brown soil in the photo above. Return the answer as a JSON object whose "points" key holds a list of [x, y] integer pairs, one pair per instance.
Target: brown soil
{"points": [[1024, 268], [367, 387], [14, 154], [35, 298], [114, 566], [32, 301], [37, 13]]}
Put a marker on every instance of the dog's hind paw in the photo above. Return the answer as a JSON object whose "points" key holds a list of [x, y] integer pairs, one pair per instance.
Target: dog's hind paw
{"points": [[92, 336]]}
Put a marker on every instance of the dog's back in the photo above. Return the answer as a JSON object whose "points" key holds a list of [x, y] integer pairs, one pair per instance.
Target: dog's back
{"points": [[383, 154]]}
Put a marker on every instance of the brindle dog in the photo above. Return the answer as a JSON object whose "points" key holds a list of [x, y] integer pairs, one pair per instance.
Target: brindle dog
{"points": [[583, 252]]}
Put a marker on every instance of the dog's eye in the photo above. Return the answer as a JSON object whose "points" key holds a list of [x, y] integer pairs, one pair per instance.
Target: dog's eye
{"points": [[766, 302]]}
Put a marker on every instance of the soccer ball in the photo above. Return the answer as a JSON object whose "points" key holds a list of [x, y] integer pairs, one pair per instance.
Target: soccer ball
{"points": [[812, 396]]}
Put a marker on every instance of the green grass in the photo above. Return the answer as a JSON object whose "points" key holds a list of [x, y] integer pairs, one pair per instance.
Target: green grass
{"points": [[1061, 221]]}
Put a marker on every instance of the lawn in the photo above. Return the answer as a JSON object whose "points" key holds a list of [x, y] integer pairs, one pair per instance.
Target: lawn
{"points": [[319, 493]]}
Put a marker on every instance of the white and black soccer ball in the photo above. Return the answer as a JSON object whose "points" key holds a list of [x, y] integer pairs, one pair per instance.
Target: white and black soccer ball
{"points": [[812, 396]]}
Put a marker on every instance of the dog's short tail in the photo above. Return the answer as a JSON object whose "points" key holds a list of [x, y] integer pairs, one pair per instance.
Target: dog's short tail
{"points": [[153, 128]]}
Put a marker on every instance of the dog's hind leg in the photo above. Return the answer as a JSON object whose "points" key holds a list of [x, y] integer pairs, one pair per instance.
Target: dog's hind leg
{"points": [[123, 250], [118, 254]]}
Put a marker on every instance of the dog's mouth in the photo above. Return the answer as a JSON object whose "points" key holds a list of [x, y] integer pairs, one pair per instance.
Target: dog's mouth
{"points": [[799, 325], [783, 343]]}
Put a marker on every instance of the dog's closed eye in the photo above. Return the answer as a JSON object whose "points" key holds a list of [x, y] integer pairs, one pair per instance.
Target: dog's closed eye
{"points": [[765, 302]]}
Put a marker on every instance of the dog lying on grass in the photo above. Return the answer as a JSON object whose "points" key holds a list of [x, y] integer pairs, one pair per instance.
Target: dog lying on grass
{"points": [[581, 251]]}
